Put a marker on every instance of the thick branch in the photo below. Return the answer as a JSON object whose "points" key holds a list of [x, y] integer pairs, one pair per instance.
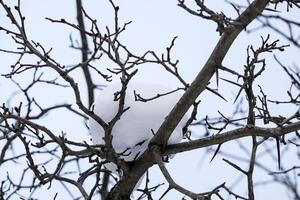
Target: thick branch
{"points": [[230, 136], [200, 82]]}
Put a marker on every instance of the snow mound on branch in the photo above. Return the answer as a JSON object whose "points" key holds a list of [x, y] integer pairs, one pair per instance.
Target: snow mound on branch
{"points": [[133, 131]]}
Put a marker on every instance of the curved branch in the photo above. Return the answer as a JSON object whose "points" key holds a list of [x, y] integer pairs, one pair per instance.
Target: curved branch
{"points": [[231, 135], [172, 183]]}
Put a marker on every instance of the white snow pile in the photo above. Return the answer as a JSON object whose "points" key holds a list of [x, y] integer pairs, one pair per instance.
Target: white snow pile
{"points": [[132, 133]]}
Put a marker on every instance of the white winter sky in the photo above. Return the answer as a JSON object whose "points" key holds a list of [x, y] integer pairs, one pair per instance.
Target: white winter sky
{"points": [[154, 25]]}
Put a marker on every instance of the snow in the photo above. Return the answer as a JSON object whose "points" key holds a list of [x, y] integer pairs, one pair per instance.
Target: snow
{"points": [[133, 130]]}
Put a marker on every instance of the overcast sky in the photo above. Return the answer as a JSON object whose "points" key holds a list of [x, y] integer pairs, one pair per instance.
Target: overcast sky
{"points": [[154, 24]]}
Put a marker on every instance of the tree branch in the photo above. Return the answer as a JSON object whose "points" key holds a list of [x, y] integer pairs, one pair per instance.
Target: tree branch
{"points": [[200, 82], [231, 135], [172, 183], [84, 53]]}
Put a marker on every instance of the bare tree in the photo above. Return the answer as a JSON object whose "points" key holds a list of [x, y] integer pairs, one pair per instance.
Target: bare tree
{"points": [[46, 157]]}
